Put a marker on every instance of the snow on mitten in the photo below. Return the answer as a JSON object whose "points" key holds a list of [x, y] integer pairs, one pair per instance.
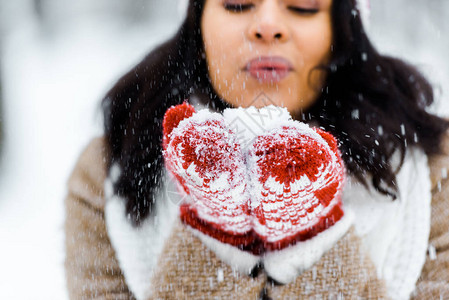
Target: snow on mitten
{"points": [[206, 158], [297, 179]]}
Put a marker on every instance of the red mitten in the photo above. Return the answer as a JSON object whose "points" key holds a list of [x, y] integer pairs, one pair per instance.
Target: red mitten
{"points": [[173, 116], [280, 198], [297, 176], [206, 158]]}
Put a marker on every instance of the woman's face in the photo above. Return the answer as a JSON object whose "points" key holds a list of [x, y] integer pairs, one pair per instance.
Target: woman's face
{"points": [[267, 46]]}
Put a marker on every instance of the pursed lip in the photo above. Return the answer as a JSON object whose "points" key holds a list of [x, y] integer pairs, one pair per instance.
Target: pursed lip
{"points": [[269, 68]]}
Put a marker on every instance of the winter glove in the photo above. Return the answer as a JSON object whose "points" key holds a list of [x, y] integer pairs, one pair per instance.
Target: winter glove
{"points": [[280, 199], [297, 177], [206, 158]]}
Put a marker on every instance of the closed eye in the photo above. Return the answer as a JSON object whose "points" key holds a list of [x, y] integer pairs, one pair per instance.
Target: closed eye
{"points": [[303, 11], [238, 7]]}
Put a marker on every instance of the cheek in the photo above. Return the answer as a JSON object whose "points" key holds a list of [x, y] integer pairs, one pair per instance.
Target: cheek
{"points": [[215, 48], [313, 46], [222, 49], [315, 49], [217, 60], [321, 41]]}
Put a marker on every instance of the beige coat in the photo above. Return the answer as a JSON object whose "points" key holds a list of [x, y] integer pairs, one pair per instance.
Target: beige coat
{"points": [[93, 272]]}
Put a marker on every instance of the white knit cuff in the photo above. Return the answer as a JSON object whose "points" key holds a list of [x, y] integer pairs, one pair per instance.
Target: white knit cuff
{"points": [[286, 264]]}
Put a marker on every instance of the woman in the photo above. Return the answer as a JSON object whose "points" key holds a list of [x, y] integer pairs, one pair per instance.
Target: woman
{"points": [[325, 71]]}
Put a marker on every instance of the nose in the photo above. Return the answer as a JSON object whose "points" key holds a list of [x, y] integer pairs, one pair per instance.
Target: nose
{"points": [[268, 24]]}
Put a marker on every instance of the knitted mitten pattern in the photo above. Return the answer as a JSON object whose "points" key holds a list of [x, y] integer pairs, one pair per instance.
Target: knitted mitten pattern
{"points": [[296, 177], [207, 160], [275, 200], [286, 188]]}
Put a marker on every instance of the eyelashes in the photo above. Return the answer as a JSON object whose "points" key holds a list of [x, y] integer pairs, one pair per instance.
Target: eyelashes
{"points": [[303, 11], [238, 8]]}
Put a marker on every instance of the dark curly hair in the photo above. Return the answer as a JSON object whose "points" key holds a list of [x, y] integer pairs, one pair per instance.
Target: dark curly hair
{"points": [[374, 104]]}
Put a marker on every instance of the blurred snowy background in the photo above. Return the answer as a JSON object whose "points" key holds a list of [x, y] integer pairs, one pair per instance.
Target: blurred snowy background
{"points": [[57, 60]]}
